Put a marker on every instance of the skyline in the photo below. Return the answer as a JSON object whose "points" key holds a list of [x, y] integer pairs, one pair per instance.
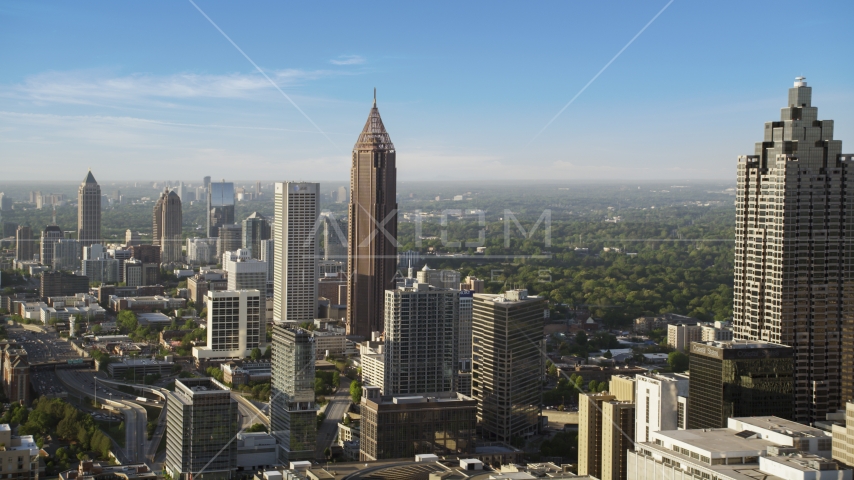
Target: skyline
{"points": [[463, 91]]}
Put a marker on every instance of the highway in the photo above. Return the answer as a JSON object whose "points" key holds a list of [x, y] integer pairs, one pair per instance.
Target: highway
{"points": [[84, 381], [249, 413], [338, 405], [41, 347]]}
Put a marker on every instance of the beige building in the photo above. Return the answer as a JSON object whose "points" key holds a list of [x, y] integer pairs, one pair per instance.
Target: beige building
{"points": [[19, 456], [843, 437], [623, 387], [618, 432], [681, 335], [590, 427]]}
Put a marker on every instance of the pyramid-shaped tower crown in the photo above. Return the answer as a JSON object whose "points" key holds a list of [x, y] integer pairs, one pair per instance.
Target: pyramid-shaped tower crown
{"points": [[90, 179], [374, 136]]}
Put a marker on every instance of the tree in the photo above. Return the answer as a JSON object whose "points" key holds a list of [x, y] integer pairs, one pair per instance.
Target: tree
{"points": [[268, 352], [256, 354], [96, 329], [608, 354], [552, 371], [678, 361], [591, 387], [126, 320], [356, 391]]}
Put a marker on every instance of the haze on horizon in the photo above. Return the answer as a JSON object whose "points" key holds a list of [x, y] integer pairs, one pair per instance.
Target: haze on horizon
{"points": [[154, 91]]}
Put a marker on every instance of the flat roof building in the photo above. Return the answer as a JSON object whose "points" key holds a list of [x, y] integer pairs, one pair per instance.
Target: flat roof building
{"points": [[201, 426], [739, 379]]}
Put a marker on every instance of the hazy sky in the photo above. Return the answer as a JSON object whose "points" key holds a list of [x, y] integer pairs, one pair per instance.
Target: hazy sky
{"points": [[151, 90]]}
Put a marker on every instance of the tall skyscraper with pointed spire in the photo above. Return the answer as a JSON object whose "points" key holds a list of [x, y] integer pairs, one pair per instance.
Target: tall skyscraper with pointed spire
{"points": [[89, 211], [372, 226], [792, 286], [166, 228]]}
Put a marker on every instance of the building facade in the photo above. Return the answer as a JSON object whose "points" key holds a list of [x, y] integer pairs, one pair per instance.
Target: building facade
{"points": [[507, 366], [618, 431], [293, 413], [62, 284], [739, 379], [420, 340], [234, 324], [89, 211], [660, 400], [228, 240], [402, 427], [296, 252], [201, 423], [50, 235], [16, 375], [66, 254], [220, 207], [793, 211], [591, 425], [245, 272], [167, 226], [255, 230], [372, 227], [24, 243]]}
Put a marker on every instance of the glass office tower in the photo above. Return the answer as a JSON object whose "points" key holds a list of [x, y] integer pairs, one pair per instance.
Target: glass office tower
{"points": [[220, 206]]}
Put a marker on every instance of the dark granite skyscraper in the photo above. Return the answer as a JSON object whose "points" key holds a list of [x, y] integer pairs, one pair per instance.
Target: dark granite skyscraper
{"points": [[794, 212], [89, 211], [372, 227]]}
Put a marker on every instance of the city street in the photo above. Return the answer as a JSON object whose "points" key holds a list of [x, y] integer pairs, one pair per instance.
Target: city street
{"points": [[338, 405]]}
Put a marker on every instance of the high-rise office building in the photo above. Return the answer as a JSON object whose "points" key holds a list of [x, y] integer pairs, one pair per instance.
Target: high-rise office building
{"points": [[739, 379], [132, 238], [146, 253], [293, 413], [296, 252], [5, 202], [245, 272], [257, 188], [66, 254], [62, 284], [89, 211], [201, 423], [166, 231], [255, 230], [180, 191], [268, 256], [463, 355], [201, 251], [420, 340], [507, 363], [372, 227], [234, 324], [793, 210], [229, 239], [220, 206], [98, 266], [24, 243], [618, 421], [661, 400], [206, 182], [334, 238], [50, 235]]}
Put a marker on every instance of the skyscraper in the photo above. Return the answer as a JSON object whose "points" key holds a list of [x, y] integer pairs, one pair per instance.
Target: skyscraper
{"points": [[372, 226], [66, 254], [255, 229], [295, 244], [24, 243], [220, 206], [420, 340], [201, 425], [293, 413], [50, 235], [229, 239], [507, 363], [89, 211], [166, 231], [793, 211], [245, 272], [234, 324]]}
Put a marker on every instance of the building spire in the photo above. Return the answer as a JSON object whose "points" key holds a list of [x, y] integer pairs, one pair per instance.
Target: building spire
{"points": [[375, 97]]}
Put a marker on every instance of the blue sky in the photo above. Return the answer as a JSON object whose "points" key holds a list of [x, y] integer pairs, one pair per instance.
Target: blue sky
{"points": [[463, 88]]}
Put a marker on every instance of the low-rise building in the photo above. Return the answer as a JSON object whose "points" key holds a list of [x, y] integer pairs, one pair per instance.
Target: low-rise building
{"points": [[398, 427], [145, 304], [717, 332], [138, 367], [680, 335], [329, 344], [19, 456], [255, 451], [738, 452], [90, 470]]}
